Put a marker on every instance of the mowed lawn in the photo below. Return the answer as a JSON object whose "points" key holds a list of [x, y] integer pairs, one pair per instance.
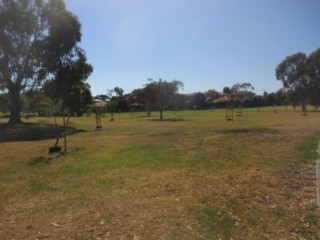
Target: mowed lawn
{"points": [[192, 176]]}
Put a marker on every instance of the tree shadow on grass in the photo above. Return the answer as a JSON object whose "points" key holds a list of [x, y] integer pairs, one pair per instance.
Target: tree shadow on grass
{"points": [[167, 120], [40, 160], [249, 131], [31, 132]]}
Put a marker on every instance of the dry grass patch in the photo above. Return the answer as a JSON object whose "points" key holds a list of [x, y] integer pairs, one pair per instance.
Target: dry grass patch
{"points": [[200, 178]]}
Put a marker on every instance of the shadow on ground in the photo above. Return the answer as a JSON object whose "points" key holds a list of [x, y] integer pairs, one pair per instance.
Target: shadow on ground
{"points": [[249, 131], [167, 120], [31, 132], [40, 160]]}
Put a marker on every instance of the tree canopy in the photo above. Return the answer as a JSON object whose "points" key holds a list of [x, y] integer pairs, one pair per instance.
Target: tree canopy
{"points": [[300, 74], [37, 38], [68, 84], [238, 87], [162, 93], [156, 95]]}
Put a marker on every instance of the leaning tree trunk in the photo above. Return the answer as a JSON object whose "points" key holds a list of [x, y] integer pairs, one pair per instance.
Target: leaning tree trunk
{"points": [[15, 105]]}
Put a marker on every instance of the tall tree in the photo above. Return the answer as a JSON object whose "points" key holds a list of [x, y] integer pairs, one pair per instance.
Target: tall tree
{"points": [[313, 64], [120, 99], [293, 98], [118, 91], [198, 101], [35, 36], [141, 99], [293, 72], [162, 93], [136, 97], [150, 97], [281, 96]]}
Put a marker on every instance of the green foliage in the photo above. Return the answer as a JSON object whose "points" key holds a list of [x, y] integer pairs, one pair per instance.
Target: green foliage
{"points": [[299, 74], [241, 87], [35, 101], [47, 107], [69, 86], [161, 94], [36, 40], [198, 101], [314, 72], [118, 101], [211, 93]]}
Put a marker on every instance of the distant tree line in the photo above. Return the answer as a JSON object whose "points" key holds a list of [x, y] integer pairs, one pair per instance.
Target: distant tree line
{"points": [[153, 96]]}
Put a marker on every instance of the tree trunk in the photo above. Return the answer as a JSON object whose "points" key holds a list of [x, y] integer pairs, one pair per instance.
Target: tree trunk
{"points": [[111, 116], [303, 107], [148, 110], [303, 104], [15, 104], [161, 115]]}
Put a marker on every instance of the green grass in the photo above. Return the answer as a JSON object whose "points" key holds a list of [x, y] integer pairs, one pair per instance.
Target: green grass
{"points": [[309, 149], [216, 223], [38, 186]]}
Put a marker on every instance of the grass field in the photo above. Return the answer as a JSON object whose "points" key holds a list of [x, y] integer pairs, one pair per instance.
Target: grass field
{"points": [[192, 176]]}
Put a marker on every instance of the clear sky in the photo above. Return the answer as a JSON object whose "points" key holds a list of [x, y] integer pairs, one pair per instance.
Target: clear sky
{"points": [[206, 44]]}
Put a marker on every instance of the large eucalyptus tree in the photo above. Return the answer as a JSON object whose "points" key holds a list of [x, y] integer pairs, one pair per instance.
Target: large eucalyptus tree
{"points": [[36, 38], [300, 74]]}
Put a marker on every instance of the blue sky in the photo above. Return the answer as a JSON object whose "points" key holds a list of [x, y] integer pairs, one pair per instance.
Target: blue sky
{"points": [[206, 44]]}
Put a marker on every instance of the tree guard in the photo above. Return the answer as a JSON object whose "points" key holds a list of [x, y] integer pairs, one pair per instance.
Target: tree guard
{"points": [[239, 111], [304, 110], [97, 108], [98, 121], [275, 108], [61, 133], [231, 100], [229, 112]]}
